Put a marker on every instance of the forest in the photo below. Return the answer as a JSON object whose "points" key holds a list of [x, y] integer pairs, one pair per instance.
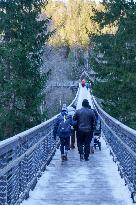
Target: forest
{"points": [[43, 41]]}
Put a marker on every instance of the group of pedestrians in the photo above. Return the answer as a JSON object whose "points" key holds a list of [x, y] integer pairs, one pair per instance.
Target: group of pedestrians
{"points": [[83, 122], [86, 83]]}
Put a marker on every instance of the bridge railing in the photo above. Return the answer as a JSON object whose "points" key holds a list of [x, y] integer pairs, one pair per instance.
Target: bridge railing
{"points": [[122, 141], [63, 84], [23, 158]]}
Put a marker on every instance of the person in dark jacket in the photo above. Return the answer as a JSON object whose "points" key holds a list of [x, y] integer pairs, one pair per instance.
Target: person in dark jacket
{"points": [[71, 111], [87, 84], [62, 128], [85, 125]]}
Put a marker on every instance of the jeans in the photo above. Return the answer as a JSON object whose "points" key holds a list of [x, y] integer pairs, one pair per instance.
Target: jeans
{"points": [[64, 144], [72, 138], [83, 142]]}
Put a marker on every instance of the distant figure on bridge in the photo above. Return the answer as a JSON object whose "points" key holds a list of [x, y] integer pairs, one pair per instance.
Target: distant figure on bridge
{"points": [[85, 126], [71, 111], [90, 84], [87, 84], [83, 83], [62, 128]]}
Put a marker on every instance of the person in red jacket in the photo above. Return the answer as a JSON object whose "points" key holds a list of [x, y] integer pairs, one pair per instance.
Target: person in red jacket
{"points": [[83, 83]]}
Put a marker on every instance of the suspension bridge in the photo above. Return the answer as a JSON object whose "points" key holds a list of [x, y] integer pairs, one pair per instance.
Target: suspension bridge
{"points": [[31, 172]]}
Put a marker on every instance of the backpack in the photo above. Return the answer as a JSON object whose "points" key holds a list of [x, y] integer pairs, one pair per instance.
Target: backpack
{"points": [[64, 125]]}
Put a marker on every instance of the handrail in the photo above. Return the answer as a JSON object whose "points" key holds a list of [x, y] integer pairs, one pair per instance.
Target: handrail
{"points": [[122, 141], [63, 84], [23, 157], [29, 131], [24, 133], [132, 131]]}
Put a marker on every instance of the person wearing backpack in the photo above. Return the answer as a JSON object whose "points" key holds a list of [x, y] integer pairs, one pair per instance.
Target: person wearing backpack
{"points": [[62, 128], [71, 111]]}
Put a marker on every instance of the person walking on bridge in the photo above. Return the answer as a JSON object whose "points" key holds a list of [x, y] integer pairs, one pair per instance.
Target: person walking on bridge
{"points": [[96, 119], [85, 126], [71, 111], [83, 83], [62, 128]]}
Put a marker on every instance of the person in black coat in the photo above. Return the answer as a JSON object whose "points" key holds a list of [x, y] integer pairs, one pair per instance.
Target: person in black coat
{"points": [[85, 126]]}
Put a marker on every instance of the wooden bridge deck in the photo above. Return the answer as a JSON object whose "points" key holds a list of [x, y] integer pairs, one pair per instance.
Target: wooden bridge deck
{"points": [[75, 182]]}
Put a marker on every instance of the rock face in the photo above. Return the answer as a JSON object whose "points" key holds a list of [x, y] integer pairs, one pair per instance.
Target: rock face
{"points": [[56, 97], [57, 64]]}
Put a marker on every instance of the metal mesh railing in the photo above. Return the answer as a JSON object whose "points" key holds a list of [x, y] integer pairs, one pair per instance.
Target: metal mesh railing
{"points": [[122, 141], [22, 160]]}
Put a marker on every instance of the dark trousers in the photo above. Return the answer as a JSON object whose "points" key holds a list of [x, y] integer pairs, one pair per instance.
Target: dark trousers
{"points": [[72, 143], [64, 144], [83, 142]]}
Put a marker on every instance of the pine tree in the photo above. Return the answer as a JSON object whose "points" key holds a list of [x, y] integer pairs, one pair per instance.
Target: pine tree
{"points": [[73, 28], [72, 22], [115, 60], [22, 33]]}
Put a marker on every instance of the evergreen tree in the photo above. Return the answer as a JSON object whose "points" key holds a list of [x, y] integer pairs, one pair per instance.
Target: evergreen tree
{"points": [[72, 22], [22, 35], [73, 28], [114, 60]]}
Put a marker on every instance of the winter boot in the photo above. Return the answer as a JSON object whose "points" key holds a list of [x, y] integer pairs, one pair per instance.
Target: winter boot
{"points": [[63, 157], [86, 158], [81, 157], [92, 150]]}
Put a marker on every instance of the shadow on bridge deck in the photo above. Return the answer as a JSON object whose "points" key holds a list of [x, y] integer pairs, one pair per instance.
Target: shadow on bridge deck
{"points": [[75, 182]]}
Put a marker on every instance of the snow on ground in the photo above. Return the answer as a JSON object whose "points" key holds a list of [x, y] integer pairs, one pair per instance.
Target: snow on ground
{"points": [[84, 94], [99, 178], [119, 190], [96, 182]]}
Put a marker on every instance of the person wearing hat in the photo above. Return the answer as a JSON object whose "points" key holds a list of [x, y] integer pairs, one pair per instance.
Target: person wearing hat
{"points": [[62, 128], [83, 83], [71, 111], [85, 126]]}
